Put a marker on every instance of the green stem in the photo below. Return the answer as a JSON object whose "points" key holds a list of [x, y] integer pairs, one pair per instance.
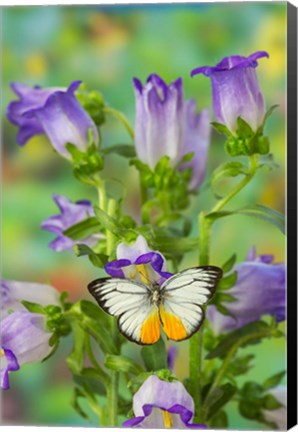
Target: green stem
{"points": [[101, 190], [221, 372], [112, 391], [121, 117], [239, 186], [196, 342]]}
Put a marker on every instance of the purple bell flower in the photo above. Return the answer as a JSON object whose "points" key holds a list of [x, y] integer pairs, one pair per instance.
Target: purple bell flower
{"points": [[236, 90], [12, 292], [167, 125], [139, 263], [54, 112], [259, 290], [159, 404], [24, 339], [71, 214]]}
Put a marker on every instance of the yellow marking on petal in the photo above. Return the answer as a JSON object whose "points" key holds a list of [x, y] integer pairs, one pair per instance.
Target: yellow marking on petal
{"points": [[2, 353], [167, 419], [150, 331], [172, 325], [141, 268]]}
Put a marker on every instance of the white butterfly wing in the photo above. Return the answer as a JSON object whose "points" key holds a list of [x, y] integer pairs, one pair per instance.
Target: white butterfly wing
{"points": [[138, 319], [183, 295]]}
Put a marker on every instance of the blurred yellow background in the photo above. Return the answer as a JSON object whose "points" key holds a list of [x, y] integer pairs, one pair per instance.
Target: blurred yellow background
{"points": [[105, 46]]}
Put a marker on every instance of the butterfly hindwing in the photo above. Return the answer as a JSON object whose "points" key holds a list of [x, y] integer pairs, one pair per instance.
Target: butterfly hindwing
{"points": [[183, 295], [138, 319]]}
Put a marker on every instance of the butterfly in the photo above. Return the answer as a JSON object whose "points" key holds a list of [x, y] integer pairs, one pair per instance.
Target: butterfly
{"points": [[175, 305]]}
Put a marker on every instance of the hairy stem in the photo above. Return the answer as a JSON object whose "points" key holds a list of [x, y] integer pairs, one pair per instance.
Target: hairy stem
{"points": [[121, 117]]}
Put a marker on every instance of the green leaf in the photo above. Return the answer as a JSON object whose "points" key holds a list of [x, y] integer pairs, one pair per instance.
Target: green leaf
{"points": [[135, 383], [258, 210], [97, 323], [243, 129], [155, 356], [227, 281], [219, 421], [240, 365], [265, 213], [121, 363], [186, 158], [268, 114], [75, 402], [97, 259], [83, 229], [269, 402], [109, 223], [33, 307], [248, 334], [221, 128], [229, 264], [125, 150], [219, 397], [175, 245], [274, 380], [95, 379], [75, 360]]}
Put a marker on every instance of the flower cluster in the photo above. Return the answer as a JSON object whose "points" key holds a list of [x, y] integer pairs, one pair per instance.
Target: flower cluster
{"points": [[145, 287], [24, 336]]}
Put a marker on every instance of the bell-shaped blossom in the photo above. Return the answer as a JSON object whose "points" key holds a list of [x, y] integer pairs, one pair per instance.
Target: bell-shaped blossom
{"points": [[24, 339], [71, 214], [54, 112], [259, 290], [167, 125], [159, 404], [139, 263], [279, 415], [236, 91], [12, 292], [196, 139]]}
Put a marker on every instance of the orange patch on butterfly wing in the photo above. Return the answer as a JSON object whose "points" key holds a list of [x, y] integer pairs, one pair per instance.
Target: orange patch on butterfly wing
{"points": [[172, 325], [150, 331]]}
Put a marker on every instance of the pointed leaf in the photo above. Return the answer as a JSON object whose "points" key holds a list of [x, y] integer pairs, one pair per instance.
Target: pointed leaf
{"points": [[121, 363], [155, 356], [83, 229]]}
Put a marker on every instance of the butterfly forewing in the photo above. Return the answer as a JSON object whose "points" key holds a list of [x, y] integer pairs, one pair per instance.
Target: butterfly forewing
{"points": [[182, 297], [138, 319]]}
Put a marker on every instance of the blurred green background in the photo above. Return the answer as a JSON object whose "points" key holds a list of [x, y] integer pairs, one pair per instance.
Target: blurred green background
{"points": [[105, 46]]}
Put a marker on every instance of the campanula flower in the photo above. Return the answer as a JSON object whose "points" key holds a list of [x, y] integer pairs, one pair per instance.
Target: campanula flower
{"points": [[279, 415], [71, 214], [236, 91], [159, 404], [167, 125], [259, 290], [54, 112], [138, 262], [24, 339], [12, 292]]}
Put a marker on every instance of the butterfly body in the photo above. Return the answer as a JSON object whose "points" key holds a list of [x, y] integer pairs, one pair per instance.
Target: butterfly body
{"points": [[142, 308]]}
